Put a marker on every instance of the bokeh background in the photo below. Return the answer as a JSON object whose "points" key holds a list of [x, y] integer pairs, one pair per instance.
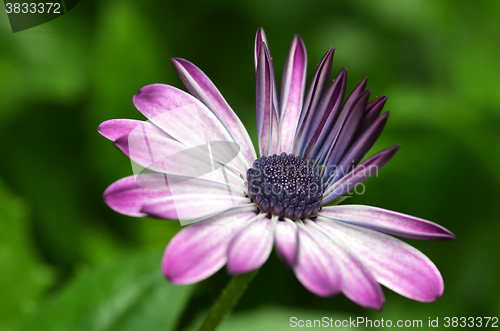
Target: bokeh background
{"points": [[67, 262]]}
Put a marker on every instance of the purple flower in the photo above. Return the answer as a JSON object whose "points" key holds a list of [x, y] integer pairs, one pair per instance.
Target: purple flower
{"points": [[205, 169]]}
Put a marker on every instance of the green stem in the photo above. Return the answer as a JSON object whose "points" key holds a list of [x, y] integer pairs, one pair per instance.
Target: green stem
{"points": [[227, 300]]}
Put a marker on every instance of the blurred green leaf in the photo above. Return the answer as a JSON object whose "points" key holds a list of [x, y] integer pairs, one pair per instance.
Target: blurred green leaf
{"points": [[26, 278], [129, 294], [277, 319]]}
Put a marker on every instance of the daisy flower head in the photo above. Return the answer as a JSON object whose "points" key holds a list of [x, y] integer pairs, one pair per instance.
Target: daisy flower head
{"points": [[194, 162]]}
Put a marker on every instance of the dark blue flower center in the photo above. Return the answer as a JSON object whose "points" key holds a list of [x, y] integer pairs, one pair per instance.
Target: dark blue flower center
{"points": [[285, 185]]}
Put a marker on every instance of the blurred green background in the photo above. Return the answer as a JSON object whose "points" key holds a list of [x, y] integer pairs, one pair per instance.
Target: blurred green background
{"points": [[67, 262]]}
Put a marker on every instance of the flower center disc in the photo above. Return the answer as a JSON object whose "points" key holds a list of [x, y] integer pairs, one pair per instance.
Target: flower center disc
{"points": [[285, 185]]}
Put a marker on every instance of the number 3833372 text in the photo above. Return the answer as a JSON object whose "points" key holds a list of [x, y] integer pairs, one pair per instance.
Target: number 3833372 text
{"points": [[33, 7]]}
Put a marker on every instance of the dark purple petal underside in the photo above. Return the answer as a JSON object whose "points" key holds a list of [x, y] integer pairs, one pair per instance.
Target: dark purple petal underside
{"points": [[326, 115], [373, 110], [322, 151], [361, 146], [359, 174], [344, 131], [266, 114], [259, 39], [314, 95]]}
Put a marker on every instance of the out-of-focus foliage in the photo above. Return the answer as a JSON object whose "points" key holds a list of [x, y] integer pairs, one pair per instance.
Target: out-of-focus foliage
{"points": [[278, 319], [437, 61], [24, 277], [124, 295]]}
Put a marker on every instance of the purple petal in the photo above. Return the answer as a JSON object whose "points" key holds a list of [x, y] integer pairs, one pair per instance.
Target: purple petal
{"points": [[148, 145], [323, 149], [179, 114], [200, 86], [183, 117], [150, 148], [259, 39], [326, 115], [377, 103], [314, 95], [193, 206], [394, 263], [121, 128], [358, 283], [316, 268], [126, 197], [251, 246], [359, 174], [344, 130], [200, 250], [131, 194], [267, 118], [361, 146], [292, 92], [287, 241], [115, 129], [388, 221], [372, 112]]}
